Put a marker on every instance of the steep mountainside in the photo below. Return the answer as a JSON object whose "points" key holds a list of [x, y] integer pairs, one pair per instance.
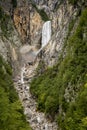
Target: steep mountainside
{"points": [[60, 90], [9, 38], [43, 49], [11, 110]]}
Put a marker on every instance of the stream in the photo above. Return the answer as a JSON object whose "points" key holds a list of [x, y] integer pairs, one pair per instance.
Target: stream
{"points": [[36, 119]]}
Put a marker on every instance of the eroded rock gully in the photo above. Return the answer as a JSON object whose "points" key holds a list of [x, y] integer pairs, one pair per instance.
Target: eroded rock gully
{"points": [[37, 120]]}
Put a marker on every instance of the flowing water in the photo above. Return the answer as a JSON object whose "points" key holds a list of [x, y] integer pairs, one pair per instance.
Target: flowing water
{"points": [[36, 119]]}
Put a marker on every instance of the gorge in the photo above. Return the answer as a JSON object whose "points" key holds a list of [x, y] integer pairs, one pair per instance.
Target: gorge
{"points": [[36, 119], [43, 65]]}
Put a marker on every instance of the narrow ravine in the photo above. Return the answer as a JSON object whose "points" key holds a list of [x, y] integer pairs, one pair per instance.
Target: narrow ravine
{"points": [[36, 119], [29, 63]]}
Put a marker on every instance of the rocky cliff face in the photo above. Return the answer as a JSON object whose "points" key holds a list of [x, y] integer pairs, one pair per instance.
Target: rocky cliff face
{"points": [[28, 22], [21, 21], [50, 7], [30, 16], [9, 38], [63, 16]]}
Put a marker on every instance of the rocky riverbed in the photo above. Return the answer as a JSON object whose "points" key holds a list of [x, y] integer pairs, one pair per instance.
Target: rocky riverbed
{"points": [[36, 119]]}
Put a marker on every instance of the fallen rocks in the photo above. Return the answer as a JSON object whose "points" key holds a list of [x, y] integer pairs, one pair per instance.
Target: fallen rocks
{"points": [[36, 119]]}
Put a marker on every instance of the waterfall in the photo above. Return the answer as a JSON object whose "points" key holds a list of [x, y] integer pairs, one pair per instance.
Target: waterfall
{"points": [[46, 33]]}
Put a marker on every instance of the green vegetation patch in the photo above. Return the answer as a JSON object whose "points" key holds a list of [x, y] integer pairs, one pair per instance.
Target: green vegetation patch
{"points": [[4, 20], [69, 74], [73, 1], [41, 12], [14, 3], [77, 2], [11, 111], [43, 15]]}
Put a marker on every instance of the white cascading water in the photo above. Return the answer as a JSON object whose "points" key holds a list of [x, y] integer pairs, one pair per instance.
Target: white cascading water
{"points": [[46, 35], [22, 72]]}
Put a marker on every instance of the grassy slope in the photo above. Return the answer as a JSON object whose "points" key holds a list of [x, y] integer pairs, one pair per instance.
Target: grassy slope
{"points": [[70, 72], [11, 111]]}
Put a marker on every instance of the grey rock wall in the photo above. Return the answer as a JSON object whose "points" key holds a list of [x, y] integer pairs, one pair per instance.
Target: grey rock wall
{"points": [[61, 20]]}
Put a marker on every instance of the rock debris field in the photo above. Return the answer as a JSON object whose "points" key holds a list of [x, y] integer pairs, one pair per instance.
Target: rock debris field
{"points": [[36, 119]]}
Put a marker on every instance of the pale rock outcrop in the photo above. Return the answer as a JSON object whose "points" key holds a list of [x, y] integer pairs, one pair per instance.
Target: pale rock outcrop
{"points": [[36, 24], [9, 47]]}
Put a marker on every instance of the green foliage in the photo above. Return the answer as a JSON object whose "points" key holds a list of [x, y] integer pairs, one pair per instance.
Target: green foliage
{"points": [[76, 117], [41, 68], [11, 111], [77, 2], [1, 13], [4, 20], [43, 15], [73, 1], [70, 71], [14, 2], [41, 12]]}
